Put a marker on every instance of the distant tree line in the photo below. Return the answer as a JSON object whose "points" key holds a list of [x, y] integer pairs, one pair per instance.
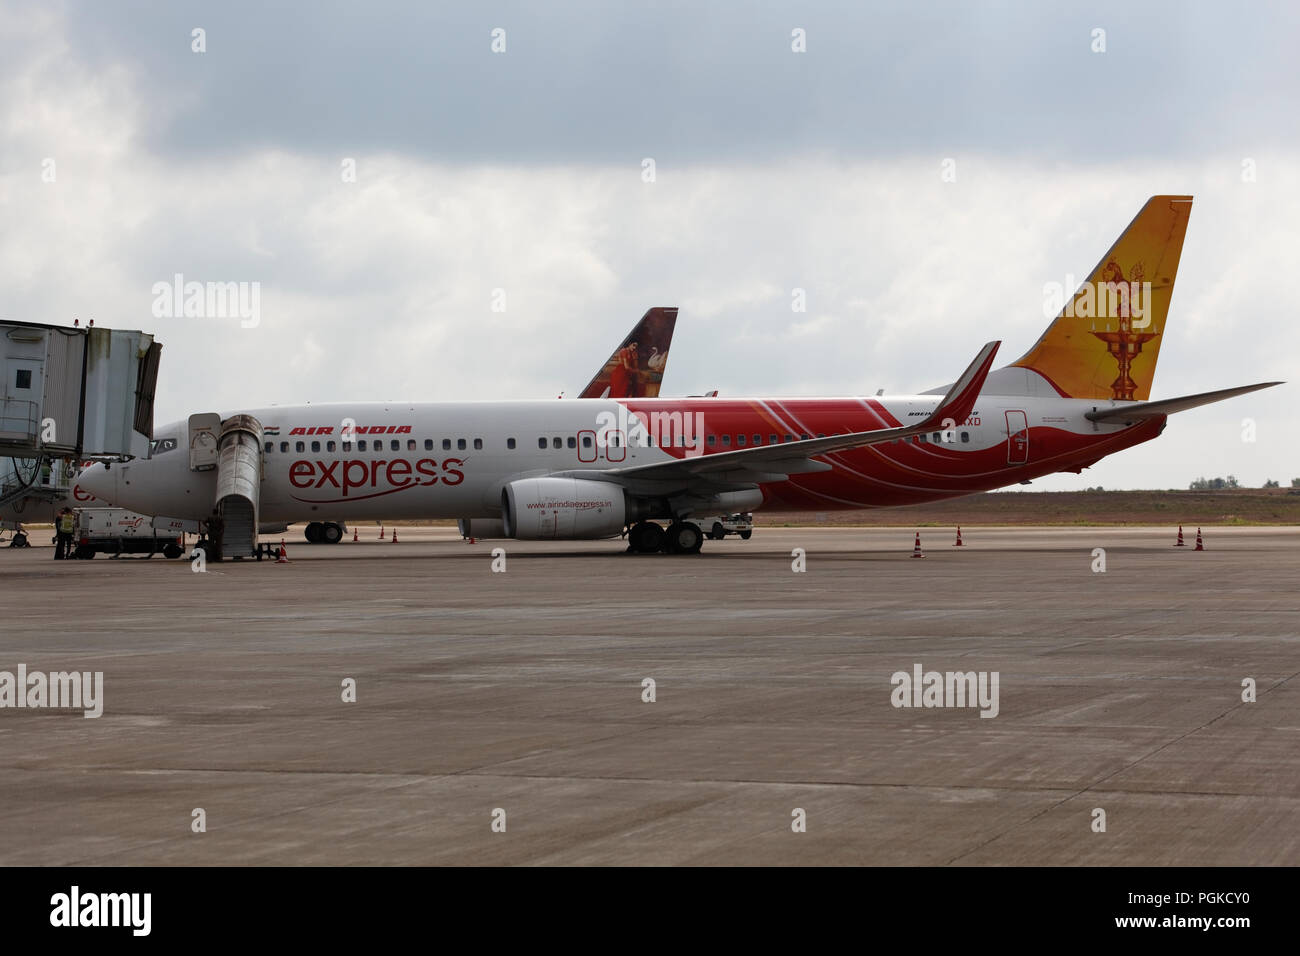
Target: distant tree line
{"points": [[1218, 484]]}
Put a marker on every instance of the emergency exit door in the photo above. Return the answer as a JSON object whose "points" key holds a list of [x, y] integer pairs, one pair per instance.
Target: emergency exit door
{"points": [[1017, 437]]}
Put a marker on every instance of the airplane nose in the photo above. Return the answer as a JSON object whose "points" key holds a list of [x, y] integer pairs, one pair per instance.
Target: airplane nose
{"points": [[97, 481]]}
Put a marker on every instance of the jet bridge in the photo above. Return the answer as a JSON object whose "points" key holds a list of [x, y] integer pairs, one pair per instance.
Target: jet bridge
{"points": [[239, 483], [71, 395]]}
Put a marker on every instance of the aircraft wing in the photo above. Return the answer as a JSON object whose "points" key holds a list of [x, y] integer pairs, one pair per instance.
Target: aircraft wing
{"points": [[768, 463], [1140, 411]]}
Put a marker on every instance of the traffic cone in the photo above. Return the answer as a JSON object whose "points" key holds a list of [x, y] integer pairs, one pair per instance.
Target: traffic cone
{"points": [[957, 543], [1179, 543], [394, 536], [354, 532], [916, 548], [471, 540], [283, 557], [381, 532], [1200, 545]]}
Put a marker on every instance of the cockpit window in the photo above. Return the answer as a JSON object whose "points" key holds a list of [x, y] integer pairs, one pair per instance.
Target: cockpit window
{"points": [[160, 446]]}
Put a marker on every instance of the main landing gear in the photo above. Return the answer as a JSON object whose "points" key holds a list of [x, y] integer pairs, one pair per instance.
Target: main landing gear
{"points": [[682, 537], [327, 533]]}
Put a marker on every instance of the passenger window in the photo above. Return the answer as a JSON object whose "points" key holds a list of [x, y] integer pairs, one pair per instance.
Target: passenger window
{"points": [[284, 447], [299, 446], [586, 441], [460, 443], [572, 442], [446, 444], [410, 444], [965, 438], [330, 446], [478, 444], [541, 443], [803, 437], [726, 441], [758, 439], [361, 445], [270, 446], [395, 445], [510, 443], [771, 439], [428, 444], [556, 442], [713, 440], [347, 446], [821, 434], [922, 437], [315, 446], [789, 438], [740, 440]]}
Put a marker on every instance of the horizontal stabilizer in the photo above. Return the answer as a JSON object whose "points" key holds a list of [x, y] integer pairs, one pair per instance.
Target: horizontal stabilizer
{"points": [[1140, 411]]}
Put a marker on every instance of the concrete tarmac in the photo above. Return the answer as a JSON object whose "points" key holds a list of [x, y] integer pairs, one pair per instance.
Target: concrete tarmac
{"points": [[481, 692]]}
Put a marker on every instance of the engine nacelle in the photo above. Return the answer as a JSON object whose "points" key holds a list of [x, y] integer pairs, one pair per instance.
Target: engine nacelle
{"points": [[555, 508], [482, 528]]}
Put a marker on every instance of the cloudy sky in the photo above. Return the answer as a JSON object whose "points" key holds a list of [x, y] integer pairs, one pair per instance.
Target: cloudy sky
{"points": [[127, 157]]}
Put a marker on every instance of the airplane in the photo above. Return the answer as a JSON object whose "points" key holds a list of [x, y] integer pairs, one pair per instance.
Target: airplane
{"points": [[651, 336], [643, 467]]}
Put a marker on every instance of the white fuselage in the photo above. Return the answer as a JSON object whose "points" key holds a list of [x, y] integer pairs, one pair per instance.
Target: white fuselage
{"points": [[451, 460]]}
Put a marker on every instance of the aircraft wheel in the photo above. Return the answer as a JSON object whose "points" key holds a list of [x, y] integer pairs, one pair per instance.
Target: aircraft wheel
{"points": [[313, 532], [331, 533], [172, 551], [684, 537], [745, 535], [646, 537]]}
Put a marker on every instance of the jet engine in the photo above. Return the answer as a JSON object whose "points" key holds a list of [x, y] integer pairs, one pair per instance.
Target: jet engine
{"points": [[551, 508]]}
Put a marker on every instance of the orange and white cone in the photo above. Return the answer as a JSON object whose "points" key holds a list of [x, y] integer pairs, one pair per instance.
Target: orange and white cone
{"points": [[354, 533], [1200, 545], [916, 548], [957, 543], [283, 557], [471, 540], [1179, 543], [394, 536], [381, 532]]}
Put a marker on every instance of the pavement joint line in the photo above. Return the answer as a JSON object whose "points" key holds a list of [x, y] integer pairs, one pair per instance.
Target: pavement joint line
{"points": [[1097, 783]]}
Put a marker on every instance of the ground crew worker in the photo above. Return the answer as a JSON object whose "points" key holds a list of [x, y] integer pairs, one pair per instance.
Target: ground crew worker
{"points": [[66, 524]]}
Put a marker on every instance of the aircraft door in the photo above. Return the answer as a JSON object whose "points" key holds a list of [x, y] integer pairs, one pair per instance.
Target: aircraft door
{"points": [[1017, 437]]}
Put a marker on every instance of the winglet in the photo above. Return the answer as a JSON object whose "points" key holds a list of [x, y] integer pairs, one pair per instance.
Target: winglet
{"points": [[960, 400]]}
